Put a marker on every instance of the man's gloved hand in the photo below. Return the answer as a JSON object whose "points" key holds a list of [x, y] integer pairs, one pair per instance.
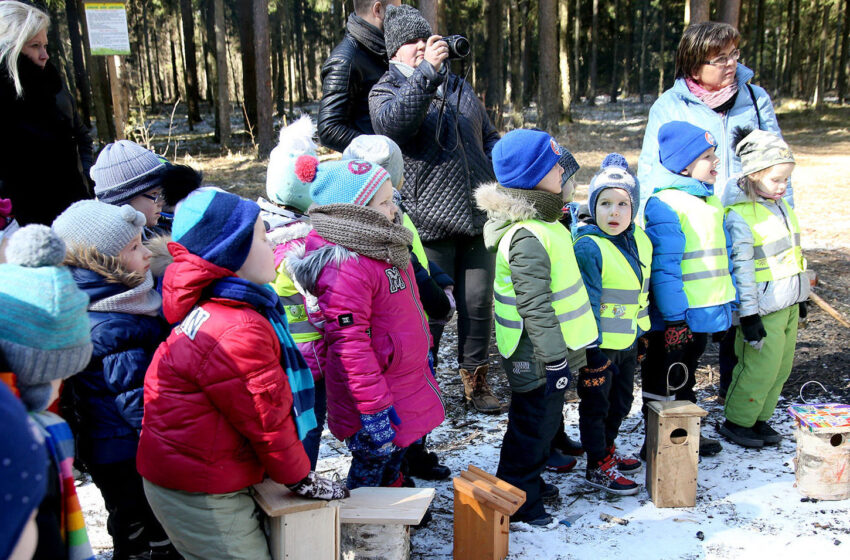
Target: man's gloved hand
{"points": [[804, 314], [558, 376], [753, 331], [677, 335], [597, 373], [315, 486], [378, 433]]}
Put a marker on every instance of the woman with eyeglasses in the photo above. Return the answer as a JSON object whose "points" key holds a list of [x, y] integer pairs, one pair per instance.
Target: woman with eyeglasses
{"points": [[45, 150]]}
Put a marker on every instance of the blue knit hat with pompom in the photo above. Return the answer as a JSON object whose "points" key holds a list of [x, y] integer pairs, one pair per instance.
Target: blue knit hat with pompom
{"points": [[613, 174]]}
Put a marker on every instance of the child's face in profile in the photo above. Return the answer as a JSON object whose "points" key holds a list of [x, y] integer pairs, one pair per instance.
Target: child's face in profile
{"points": [[551, 182], [613, 211], [135, 256], [383, 201], [773, 181], [704, 168], [150, 204], [259, 266]]}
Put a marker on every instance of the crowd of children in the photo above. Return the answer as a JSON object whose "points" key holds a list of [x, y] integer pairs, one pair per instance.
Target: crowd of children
{"points": [[189, 381]]}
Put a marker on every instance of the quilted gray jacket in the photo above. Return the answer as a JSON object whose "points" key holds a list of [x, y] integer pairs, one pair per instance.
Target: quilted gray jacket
{"points": [[446, 154]]}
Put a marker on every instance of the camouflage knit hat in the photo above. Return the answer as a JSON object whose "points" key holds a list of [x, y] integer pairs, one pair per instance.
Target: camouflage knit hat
{"points": [[761, 149]]}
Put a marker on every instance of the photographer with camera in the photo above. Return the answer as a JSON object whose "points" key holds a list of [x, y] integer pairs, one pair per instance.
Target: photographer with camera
{"points": [[446, 138]]}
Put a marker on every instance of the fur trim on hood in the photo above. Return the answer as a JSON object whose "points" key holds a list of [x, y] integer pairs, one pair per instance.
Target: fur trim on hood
{"points": [[501, 206], [158, 245], [109, 267], [298, 230], [305, 269]]}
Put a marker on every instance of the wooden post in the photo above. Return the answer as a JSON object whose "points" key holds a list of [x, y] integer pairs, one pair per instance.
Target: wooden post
{"points": [[483, 506], [120, 103], [672, 452]]}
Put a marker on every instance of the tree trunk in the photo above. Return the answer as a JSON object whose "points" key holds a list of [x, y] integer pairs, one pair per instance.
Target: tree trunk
{"points": [[493, 60], [148, 55], [564, 58], [101, 94], [222, 97], [81, 77], [644, 21], [516, 27], [549, 101], [249, 77], [729, 11], [298, 22], [842, 59], [430, 11], [265, 125], [821, 74], [56, 49], [628, 62], [528, 46], [578, 90], [696, 11], [174, 74], [193, 101], [662, 51], [795, 81], [594, 50], [615, 40], [758, 39], [280, 57]]}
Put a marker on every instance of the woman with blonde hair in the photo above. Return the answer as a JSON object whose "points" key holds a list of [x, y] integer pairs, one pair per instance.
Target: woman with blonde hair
{"points": [[45, 150]]}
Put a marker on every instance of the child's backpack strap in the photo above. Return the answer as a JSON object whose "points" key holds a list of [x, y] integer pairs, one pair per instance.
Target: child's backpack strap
{"points": [[755, 104]]}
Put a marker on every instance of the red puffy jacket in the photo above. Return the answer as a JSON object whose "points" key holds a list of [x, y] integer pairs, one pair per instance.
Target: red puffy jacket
{"points": [[217, 401]]}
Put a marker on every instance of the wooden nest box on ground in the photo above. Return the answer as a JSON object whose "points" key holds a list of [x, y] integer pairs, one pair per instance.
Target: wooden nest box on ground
{"points": [[822, 465]]}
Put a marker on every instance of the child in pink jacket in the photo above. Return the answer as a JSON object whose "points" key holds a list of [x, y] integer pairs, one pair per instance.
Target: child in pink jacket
{"points": [[381, 393]]}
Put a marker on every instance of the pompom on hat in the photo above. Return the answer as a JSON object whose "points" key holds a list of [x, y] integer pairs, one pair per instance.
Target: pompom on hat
{"points": [[378, 149], [522, 157], [353, 181], [283, 185], [614, 173], [92, 223], [45, 331], [124, 170], [680, 143]]}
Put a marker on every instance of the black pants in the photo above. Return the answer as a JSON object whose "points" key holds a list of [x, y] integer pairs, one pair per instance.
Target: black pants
{"points": [[131, 523], [654, 368], [728, 360], [533, 420], [472, 267], [604, 404]]}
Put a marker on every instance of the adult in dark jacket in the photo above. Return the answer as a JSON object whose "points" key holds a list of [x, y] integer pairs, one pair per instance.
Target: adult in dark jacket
{"points": [[353, 67], [446, 150], [45, 150]]}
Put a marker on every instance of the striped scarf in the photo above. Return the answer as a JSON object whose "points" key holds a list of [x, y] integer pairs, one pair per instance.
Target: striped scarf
{"points": [[267, 302]]}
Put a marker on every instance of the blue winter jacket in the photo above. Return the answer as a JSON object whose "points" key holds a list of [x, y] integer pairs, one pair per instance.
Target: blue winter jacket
{"points": [[667, 299], [679, 104], [589, 259], [107, 396]]}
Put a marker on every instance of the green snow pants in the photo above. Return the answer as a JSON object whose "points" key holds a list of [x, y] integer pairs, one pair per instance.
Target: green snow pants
{"points": [[759, 376]]}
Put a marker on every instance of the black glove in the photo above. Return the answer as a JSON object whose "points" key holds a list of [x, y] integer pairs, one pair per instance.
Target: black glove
{"points": [[677, 335], [752, 328], [804, 311], [642, 348], [315, 486], [558, 376], [597, 373]]}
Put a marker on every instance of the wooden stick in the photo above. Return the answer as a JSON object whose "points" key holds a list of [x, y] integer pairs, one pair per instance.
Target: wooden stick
{"points": [[829, 309]]}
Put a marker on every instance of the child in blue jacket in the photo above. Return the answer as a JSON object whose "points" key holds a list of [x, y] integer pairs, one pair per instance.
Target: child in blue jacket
{"points": [[691, 286]]}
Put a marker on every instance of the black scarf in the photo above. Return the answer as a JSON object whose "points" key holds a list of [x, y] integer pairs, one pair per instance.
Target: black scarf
{"points": [[366, 34]]}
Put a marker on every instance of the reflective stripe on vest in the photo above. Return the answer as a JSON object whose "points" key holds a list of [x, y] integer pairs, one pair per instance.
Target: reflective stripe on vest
{"points": [[416, 247], [624, 302], [705, 263], [293, 303], [776, 248], [569, 298]]}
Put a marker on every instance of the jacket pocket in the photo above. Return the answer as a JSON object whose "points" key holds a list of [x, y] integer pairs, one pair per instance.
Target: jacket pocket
{"points": [[267, 394]]}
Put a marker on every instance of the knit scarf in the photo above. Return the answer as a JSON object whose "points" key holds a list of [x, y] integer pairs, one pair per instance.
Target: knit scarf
{"points": [[549, 206], [59, 442], [267, 302], [364, 231], [141, 300], [713, 99], [366, 34]]}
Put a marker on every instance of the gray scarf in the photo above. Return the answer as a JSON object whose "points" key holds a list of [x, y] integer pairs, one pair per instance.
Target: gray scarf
{"points": [[549, 206], [364, 231], [141, 300]]}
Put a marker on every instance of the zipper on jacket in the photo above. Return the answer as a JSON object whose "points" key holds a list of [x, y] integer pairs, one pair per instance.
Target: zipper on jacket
{"points": [[791, 233], [425, 329]]}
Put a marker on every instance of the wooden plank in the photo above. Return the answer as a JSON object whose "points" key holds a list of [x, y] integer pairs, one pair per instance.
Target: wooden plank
{"points": [[276, 499], [497, 482], [676, 409], [517, 501], [480, 533], [310, 534], [488, 499], [386, 506], [671, 475]]}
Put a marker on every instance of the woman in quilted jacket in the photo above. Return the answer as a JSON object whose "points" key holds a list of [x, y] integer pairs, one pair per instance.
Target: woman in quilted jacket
{"points": [[382, 395]]}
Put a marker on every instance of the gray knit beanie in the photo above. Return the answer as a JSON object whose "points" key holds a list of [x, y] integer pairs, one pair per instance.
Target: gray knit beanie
{"points": [[91, 223], [761, 149], [124, 170], [568, 162], [380, 150], [403, 24]]}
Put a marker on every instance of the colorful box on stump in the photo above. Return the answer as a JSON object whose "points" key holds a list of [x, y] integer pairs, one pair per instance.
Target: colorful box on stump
{"points": [[822, 465], [672, 452], [483, 506]]}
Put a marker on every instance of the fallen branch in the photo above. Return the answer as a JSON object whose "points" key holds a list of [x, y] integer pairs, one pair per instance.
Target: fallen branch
{"points": [[612, 519], [829, 309]]}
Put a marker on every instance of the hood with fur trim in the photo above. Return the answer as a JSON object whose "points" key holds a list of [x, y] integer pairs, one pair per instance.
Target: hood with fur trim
{"points": [[105, 266], [158, 245], [503, 210], [304, 268]]}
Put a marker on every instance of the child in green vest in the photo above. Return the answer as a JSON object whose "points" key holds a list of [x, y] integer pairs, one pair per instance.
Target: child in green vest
{"points": [[770, 274], [614, 256], [541, 307]]}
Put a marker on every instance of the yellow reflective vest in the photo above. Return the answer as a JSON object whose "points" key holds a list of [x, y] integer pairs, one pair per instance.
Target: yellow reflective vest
{"points": [[705, 263], [569, 297], [776, 247], [624, 302], [293, 303]]}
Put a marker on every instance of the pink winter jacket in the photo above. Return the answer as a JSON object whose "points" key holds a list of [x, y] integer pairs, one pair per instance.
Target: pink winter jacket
{"points": [[377, 340]]}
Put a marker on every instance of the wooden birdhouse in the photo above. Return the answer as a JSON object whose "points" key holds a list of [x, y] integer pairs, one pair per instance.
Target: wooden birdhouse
{"points": [[822, 465], [483, 505], [672, 452]]}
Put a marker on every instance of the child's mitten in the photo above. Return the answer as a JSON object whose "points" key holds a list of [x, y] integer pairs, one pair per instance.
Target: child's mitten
{"points": [[597, 373], [315, 486], [642, 347], [677, 335], [558, 376], [753, 330], [379, 431]]}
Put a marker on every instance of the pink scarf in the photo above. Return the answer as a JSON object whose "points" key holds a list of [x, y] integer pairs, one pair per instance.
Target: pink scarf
{"points": [[713, 99]]}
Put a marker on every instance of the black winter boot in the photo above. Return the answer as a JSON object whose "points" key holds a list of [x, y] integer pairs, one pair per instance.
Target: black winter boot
{"points": [[745, 437], [766, 433]]}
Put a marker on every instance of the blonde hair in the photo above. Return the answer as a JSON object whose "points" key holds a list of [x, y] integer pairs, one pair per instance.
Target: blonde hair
{"points": [[19, 23]]}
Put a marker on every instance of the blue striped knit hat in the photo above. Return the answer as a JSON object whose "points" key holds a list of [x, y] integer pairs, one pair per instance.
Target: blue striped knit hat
{"points": [[45, 332], [217, 226], [353, 181]]}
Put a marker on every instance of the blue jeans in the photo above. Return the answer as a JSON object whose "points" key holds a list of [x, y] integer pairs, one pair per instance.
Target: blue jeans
{"points": [[314, 437]]}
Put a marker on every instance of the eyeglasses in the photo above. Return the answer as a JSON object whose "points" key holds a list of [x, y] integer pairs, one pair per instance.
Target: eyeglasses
{"points": [[723, 60], [157, 198]]}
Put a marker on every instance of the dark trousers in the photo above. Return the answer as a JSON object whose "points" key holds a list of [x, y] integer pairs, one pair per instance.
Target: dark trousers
{"points": [[533, 420], [473, 267], [605, 403], [654, 368], [130, 522], [371, 470], [728, 360], [314, 437]]}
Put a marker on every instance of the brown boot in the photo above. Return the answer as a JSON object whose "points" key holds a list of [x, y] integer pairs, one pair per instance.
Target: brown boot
{"points": [[477, 391]]}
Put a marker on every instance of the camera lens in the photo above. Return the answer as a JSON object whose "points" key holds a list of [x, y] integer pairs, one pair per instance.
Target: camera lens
{"points": [[461, 47]]}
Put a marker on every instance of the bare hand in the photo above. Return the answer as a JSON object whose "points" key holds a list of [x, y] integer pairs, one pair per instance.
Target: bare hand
{"points": [[436, 51]]}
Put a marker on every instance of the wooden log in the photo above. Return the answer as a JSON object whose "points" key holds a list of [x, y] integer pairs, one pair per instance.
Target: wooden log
{"points": [[819, 301], [374, 542]]}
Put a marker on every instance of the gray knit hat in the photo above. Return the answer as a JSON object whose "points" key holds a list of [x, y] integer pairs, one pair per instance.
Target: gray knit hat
{"points": [[44, 334], [380, 150], [124, 170], [568, 162], [761, 149], [91, 223], [403, 24]]}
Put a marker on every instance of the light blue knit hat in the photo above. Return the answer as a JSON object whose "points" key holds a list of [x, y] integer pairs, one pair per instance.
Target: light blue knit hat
{"points": [[378, 149], [282, 183], [45, 332], [353, 181]]}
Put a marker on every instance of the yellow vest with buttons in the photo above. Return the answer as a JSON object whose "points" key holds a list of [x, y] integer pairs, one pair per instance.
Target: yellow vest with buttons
{"points": [[776, 248], [705, 263], [624, 302], [293, 303], [569, 297]]}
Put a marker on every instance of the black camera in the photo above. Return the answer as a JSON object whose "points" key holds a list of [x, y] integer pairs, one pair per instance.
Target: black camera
{"points": [[458, 46]]}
